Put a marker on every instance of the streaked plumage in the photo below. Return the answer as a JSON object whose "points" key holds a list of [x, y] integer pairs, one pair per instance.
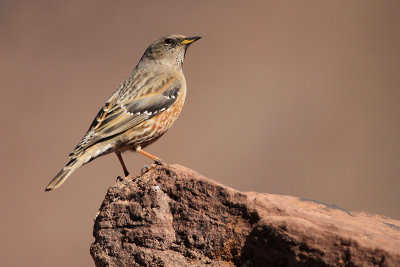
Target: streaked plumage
{"points": [[141, 109]]}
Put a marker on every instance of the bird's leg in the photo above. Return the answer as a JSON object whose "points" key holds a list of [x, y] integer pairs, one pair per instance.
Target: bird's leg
{"points": [[156, 159], [126, 173]]}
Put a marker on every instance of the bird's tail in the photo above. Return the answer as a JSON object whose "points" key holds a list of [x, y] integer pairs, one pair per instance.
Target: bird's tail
{"points": [[60, 178]]}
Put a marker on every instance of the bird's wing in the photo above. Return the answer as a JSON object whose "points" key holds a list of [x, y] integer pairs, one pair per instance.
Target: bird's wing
{"points": [[122, 113]]}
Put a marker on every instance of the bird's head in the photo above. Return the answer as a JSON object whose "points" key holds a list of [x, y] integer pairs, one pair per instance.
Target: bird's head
{"points": [[169, 50]]}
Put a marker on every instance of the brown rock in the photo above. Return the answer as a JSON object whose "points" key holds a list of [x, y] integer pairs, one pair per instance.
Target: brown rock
{"points": [[173, 216]]}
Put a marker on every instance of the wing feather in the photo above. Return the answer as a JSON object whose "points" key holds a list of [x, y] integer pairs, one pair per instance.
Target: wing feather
{"points": [[122, 113]]}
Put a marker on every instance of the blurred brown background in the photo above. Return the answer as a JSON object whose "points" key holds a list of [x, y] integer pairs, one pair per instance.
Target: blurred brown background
{"points": [[298, 98]]}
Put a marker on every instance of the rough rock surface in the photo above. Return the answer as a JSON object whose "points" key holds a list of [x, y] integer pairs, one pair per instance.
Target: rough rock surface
{"points": [[173, 216]]}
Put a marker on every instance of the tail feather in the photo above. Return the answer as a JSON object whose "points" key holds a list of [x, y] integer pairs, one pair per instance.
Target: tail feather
{"points": [[60, 178]]}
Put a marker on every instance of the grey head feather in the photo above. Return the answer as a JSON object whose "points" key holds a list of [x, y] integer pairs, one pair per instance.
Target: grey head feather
{"points": [[168, 50]]}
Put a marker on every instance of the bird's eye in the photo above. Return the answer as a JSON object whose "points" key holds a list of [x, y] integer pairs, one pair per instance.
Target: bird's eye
{"points": [[168, 41]]}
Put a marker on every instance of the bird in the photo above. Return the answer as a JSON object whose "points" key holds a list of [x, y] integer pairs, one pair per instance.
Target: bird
{"points": [[142, 108]]}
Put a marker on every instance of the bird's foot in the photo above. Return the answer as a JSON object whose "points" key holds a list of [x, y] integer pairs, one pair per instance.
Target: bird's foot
{"points": [[120, 178], [145, 168], [158, 161]]}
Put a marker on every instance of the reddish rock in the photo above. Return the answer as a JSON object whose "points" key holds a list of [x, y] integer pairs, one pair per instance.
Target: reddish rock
{"points": [[173, 216]]}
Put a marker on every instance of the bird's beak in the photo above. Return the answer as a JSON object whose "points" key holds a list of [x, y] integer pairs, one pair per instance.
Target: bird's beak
{"points": [[189, 40]]}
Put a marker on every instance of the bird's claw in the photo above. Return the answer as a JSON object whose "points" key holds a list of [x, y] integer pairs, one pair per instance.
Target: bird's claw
{"points": [[159, 162], [145, 168]]}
